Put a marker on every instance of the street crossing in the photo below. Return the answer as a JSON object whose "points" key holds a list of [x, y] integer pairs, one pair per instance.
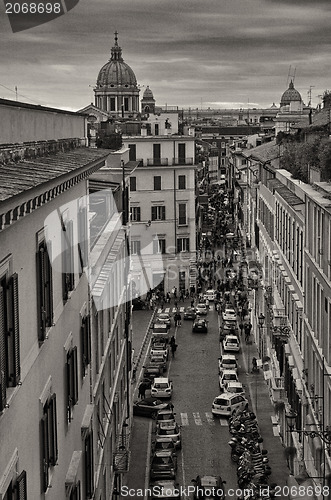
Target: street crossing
{"points": [[174, 309], [201, 419]]}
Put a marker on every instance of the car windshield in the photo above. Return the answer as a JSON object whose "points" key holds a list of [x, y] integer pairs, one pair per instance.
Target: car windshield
{"points": [[221, 402], [229, 376], [161, 386], [228, 362], [167, 432], [166, 416], [162, 461], [165, 445]]}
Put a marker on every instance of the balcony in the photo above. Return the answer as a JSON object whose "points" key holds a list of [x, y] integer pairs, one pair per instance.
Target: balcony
{"points": [[183, 161], [157, 162]]}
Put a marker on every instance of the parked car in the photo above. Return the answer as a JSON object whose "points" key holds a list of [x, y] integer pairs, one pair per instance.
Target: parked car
{"points": [[158, 359], [227, 362], [210, 295], [149, 407], [138, 304], [164, 490], [159, 348], [152, 370], [160, 332], [227, 403], [207, 487], [163, 318], [231, 343], [165, 445], [190, 313], [229, 315], [225, 377], [166, 431], [165, 416], [200, 326], [235, 387], [201, 309], [163, 465], [161, 388]]}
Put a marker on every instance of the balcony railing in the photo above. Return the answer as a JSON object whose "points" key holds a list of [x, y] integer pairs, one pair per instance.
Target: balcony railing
{"points": [[157, 162], [183, 161]]}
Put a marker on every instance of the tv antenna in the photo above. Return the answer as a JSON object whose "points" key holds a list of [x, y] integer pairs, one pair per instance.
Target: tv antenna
{"points": [[291, 76]]}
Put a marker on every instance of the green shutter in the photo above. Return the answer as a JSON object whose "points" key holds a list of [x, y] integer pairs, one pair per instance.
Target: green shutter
{"points": [[163, 213], [3, 351], [45, 452], [153, 213], [52, 430], [41, 293], [14, 329], [20, 491]]}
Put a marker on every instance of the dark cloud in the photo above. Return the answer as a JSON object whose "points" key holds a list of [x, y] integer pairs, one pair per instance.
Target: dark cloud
{"points": [[186, 51]]}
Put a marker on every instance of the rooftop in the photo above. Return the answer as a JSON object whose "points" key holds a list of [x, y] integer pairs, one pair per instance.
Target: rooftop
{"points": [[19, 104], [16, 178], [266, 152]]}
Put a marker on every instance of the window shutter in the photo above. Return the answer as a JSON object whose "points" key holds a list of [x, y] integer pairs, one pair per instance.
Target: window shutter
{"points": [[86, 343], [3, 350], [41, 293], [138, 214], [70, 232], [14, 330], [52, 430], [89, 465], [75, 374], [20, 491], [163, 212], [153, 213], [179, 246], [187, 244], [49, 289], [69, 384], [45, 451]]}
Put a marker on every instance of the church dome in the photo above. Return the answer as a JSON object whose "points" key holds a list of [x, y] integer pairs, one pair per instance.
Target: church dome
{"points": [[148, 94], [116, 72], [290, 95]]}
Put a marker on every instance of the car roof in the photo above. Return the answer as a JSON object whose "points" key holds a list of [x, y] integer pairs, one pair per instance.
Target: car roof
{"points": [[208, 480], [231, 337], [233, 383], [229, 356], [227, 395], [161, 380], [229, 371], [168, 425]]}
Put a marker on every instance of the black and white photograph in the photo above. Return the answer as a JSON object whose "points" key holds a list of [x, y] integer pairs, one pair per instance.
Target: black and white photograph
{"points": [[165, 249]]}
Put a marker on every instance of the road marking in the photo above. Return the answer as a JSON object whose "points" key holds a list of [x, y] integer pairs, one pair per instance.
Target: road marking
{"points": [[149, 444], [174, 309], [183, 467], [197, 419], [159, 310], [181, 309], [184, 419], [224, 422], [167, 310], [210, 418]]}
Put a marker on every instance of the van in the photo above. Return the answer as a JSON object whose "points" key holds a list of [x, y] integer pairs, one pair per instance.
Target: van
{"points": [[227, 403]]}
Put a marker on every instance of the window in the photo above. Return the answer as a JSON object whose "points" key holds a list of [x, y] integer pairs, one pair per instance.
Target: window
{"points": [[82, 238], [44, 290], [132, 152], [88, 465], [9, 336], [135, 247], [133, 183], [68, 276], [157, 183], [17, 489], [86, 343], [156, 129], [135, 214], [126, 104], [182, 214], [48, 439], [158, 212], [159, 246], [112, 104], [183, 244], [182, 182], [72, 380]]}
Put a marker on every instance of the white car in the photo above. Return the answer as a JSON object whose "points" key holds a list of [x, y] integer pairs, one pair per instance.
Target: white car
{"points": [[229, 315], [225, 377], [159, 348], [210, 295], [227, 362], [161, 388], [201, 309], [231, 343], [227, 403], [235, 387], [169, 431]]}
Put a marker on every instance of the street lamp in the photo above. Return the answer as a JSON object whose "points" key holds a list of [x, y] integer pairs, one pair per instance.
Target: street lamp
{"points": [[324, 435], [261, 319]]}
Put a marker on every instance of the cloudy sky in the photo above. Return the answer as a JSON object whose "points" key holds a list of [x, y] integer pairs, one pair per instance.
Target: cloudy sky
{"points": [[217, 53]]}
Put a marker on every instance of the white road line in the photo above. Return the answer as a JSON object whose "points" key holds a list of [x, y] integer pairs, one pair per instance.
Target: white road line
{"points": [[210, 418], [174, 309], [149, 444], [197, 419], [184, 419], [183, 467], [224, 422], [159, 310], [181, 309], [167, 310]]}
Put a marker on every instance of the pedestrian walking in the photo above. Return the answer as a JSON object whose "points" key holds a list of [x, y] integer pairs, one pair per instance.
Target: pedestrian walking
{"points": [[192, 303], [172, 341], [247, 335], [173, 349], [241, 327], [179, 319], [142, 390]]}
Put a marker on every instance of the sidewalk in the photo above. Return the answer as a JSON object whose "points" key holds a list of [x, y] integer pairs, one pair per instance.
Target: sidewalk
{"points": [[257, 389]]}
